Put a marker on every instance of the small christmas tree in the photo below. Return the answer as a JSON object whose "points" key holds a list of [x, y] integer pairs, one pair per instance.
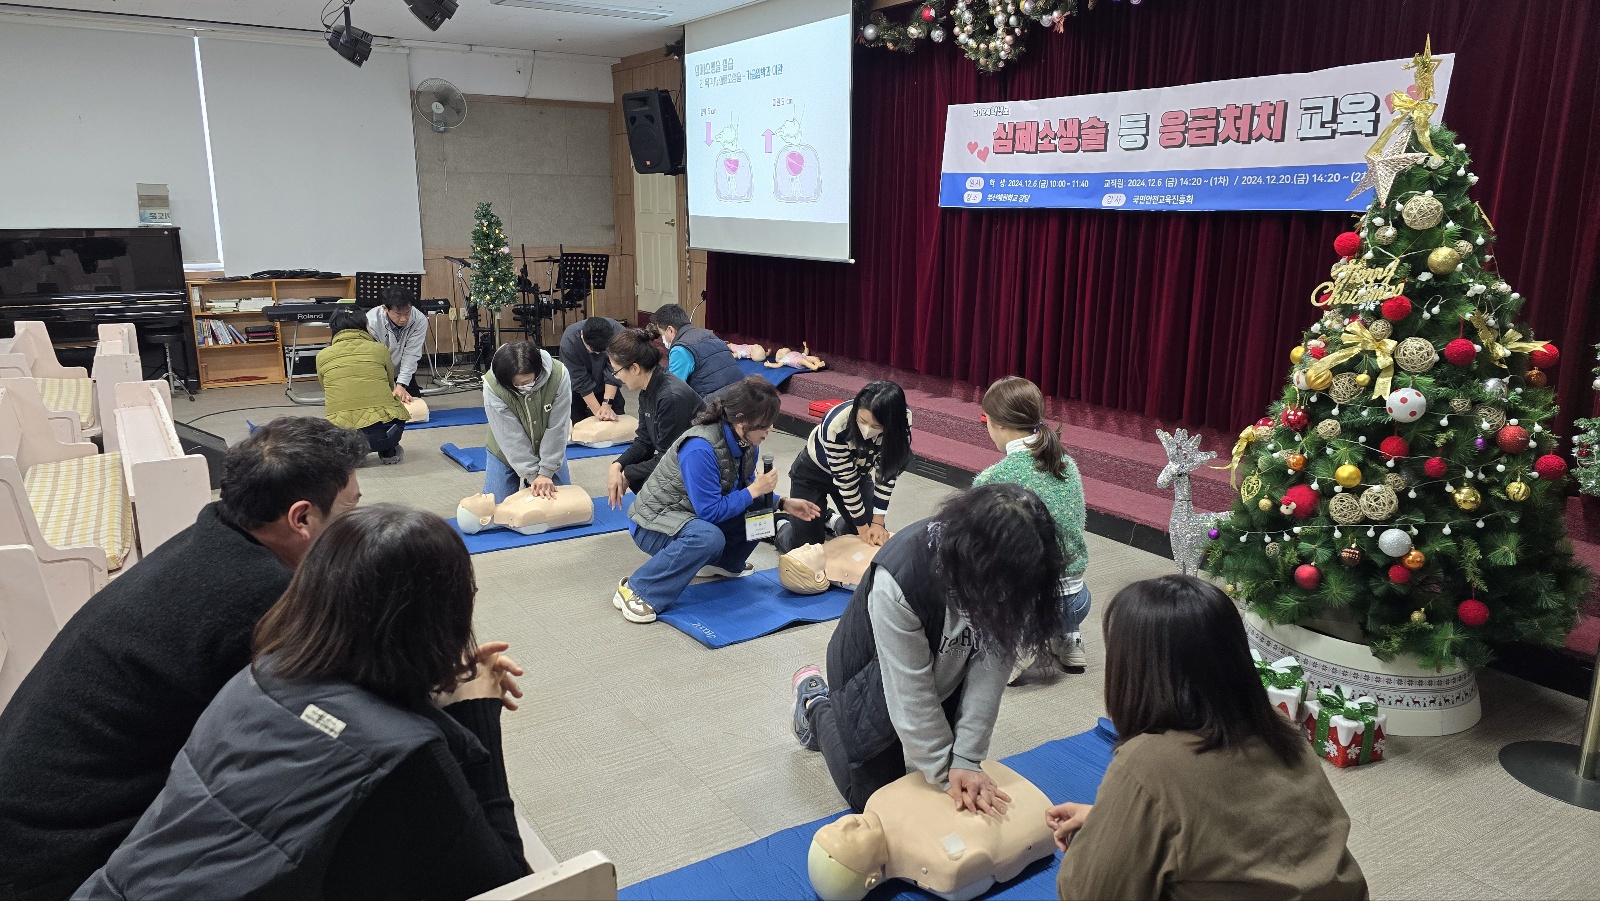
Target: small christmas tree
{"points": [[494, 281], [1424, 498], [1585, 446]]}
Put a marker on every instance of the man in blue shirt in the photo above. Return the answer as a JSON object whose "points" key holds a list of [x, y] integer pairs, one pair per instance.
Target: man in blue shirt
{"points": [[696, 355]]}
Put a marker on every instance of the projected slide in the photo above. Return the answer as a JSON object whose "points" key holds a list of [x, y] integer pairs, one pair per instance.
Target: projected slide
{"points": [[768, 126]]}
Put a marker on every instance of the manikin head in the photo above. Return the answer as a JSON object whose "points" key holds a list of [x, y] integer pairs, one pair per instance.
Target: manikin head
{"points": [[669, 321], [804, 570], [475, 513], [848, 857], [397, 305], [749, 407], [286, 482], [634, 358]]}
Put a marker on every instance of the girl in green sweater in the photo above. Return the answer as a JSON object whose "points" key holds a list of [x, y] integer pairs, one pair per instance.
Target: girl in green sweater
{"points": [[1014, 410]]}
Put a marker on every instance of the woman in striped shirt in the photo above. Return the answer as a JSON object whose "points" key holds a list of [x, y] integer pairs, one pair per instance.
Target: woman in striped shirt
{"points": [[853, 457]]}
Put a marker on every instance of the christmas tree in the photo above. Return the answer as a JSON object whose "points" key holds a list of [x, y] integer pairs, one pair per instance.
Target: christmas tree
{"points": [[494, 281], [1586, 447], [1420, 497]]}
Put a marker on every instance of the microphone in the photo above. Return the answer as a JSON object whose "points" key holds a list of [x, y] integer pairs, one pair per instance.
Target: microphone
{"points": [[460, 261], [766, 462]]}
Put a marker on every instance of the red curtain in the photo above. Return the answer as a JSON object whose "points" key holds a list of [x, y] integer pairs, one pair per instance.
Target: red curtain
{"points": [[1183, 316]]}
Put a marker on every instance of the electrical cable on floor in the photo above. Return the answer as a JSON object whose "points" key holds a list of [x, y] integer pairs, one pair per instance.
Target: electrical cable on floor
{"points": [[240, 410]]}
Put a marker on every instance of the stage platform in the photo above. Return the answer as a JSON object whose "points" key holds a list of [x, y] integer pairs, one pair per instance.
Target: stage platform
{"points": [[1119, 458]]}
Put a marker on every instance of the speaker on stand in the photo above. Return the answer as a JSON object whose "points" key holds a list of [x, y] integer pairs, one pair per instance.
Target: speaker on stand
{"points": [[655, 133]]}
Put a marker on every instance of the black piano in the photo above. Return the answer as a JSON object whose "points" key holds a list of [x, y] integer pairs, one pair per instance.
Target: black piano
{"points": [[73, 279]]}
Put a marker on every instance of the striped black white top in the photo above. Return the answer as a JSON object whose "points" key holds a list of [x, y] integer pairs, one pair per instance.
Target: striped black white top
{"points": [[830, 449]]}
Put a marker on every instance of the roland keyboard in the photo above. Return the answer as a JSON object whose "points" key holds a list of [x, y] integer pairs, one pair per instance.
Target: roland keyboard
{"points": [[322, 312]]}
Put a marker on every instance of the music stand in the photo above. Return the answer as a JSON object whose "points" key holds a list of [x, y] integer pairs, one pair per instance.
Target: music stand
{"points": [[579, 276], [370, 285]]}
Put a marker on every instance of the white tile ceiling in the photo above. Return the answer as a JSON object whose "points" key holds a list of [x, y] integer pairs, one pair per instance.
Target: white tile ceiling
{"points": [[476, 22]]}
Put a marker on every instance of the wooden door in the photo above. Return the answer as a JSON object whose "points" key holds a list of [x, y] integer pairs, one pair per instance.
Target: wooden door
{"points": [[655, 223]]}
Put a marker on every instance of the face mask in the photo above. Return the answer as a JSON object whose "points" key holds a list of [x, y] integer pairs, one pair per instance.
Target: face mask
{"points": [[870, 434], [528, 389]]}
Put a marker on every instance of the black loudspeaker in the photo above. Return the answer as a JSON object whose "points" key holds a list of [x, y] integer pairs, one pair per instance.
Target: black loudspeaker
{"points": [[212, 447], [655, 134]]}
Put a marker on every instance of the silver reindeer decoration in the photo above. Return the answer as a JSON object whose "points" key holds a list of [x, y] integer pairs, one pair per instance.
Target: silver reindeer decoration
{"points": [[1188, 529]]}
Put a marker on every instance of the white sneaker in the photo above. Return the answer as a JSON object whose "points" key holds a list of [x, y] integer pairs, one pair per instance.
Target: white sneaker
{"points": [[634, 609], [1070, 653], [717, 572], [1019, 670]]}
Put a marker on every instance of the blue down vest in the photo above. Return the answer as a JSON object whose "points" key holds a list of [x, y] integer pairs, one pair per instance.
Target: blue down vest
{"points": [[715, 367], [258, 797]]}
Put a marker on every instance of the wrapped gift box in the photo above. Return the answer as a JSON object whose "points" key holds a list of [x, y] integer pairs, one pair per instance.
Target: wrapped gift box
{"points": [[1345, 732], [1285, 683]]}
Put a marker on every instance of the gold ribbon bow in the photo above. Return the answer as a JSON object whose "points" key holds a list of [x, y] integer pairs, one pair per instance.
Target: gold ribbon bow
{"points": [[1501, 346], [1362, 341], [1246, 438], [1417, 109]]}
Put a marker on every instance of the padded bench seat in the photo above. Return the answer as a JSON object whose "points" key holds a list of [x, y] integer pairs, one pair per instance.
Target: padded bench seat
{"points": [[83, 502], [69, 396]]}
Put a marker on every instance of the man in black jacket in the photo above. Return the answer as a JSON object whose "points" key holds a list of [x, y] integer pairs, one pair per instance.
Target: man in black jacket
{"points": [[595, 389], [86, 742]]}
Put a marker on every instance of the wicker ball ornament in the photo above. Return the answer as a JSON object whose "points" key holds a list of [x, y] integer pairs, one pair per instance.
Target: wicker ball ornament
{"points": [[1345, 509], [1344, 388], [1460, 404], [1395, 482], [1463, 249], [1416, 355], [1381, 328], [1386, 235], [1273, 549], [1443, 260], [1379, 502], [1494, 419], [1422, 211], [1328, 429]]}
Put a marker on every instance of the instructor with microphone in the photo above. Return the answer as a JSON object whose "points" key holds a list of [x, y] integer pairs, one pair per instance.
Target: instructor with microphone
{"points": [[704, 508]]}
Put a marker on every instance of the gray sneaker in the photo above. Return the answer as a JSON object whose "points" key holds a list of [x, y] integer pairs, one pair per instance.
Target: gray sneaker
{"points": [[716, 572], [1069, 652], [809, 687], [398, 455]]}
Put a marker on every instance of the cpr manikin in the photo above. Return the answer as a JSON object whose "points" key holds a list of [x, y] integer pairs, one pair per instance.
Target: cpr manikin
{"points": [[418, 408], [912, 830], [796, 359], [593, 433], [748, 352], [524, 513], [814, 568]]}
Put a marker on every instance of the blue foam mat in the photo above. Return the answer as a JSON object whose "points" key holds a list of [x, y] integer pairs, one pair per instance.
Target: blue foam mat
{"points": [[472, 458], [441, 419], [605, 520], [1067, 769], [776, 376], [729, 611]]}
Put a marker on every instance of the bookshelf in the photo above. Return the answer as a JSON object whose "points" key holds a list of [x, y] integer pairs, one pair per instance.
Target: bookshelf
{"points": [[261, 362]]}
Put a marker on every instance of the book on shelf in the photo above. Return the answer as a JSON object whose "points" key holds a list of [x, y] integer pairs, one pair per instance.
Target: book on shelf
{"points": [[215, 333]]}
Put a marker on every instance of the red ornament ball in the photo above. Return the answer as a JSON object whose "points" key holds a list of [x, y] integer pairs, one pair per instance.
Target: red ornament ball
{"points": [[1394, 447], [1264, 422], [1307, 576], [1399, 575], [1295, 418], [1460, 352], [1317, 351], [1472, 612], [1550, 466], [1304, 500], [1396, 309], [1435, 468], [1347, 244], [1513, 439], [1324, 300], [927, 14], [1545, 357]]}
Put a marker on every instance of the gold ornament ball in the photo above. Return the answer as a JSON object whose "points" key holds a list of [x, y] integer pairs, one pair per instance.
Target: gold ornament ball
{"points": [[1318, 379], [1297, 354], [1363, 379], [1468, 498], [1517, 491], [1419, 617], [1443, 260], [1414, 560], [1347, 475], [1422, 211], [1463, 249], [1264, 504]]}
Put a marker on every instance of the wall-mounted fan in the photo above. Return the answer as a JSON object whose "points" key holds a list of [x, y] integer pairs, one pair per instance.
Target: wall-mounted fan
{"points": [[440, 103]]}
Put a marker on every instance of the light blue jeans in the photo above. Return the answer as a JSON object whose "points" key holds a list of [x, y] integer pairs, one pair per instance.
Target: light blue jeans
{"points": [[502, 481], [674, 560], [1074, 608]]}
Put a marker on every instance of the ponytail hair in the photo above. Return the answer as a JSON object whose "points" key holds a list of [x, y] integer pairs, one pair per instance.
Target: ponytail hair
{"points": [[1016, 403], [752, 402], [634, 346]]}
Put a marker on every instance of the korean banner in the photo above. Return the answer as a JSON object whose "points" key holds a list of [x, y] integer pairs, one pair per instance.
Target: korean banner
{"points": [[1279, 142]]}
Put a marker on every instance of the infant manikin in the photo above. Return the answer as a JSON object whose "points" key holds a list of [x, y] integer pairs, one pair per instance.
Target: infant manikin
{"points": [[748, 352], [524, 513], [911, 830], [593, 433], [813, 568], [801, 359], [418, 408]]}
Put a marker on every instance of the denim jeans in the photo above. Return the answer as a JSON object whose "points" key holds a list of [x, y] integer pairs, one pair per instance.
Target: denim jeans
{"points": [[674, 560], [1074, 608], [502, 481]]}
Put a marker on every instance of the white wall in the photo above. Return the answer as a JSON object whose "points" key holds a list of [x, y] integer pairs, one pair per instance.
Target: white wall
{"points": [[541, 75], [93, 112]]}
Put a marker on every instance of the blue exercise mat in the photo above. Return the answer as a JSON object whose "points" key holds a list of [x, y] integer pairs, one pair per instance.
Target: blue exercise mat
{"points": [[605, 520], [1067, 769], [441, 419], [776, 376], [729, 611], [472, 458]]}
